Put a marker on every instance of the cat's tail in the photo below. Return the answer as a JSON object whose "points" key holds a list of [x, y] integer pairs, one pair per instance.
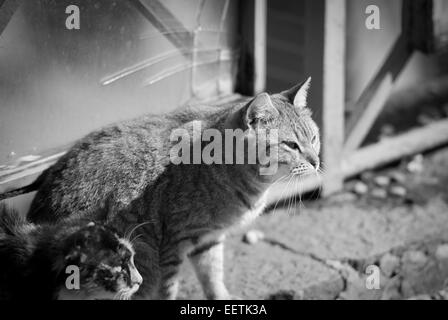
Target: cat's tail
{"points": [[29, 188]]}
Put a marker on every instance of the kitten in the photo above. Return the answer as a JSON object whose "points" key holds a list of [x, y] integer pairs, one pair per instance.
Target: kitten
{"points": [[34, 261], [126, 170]]}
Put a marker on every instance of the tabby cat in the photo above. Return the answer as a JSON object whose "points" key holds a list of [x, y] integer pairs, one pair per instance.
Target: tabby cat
{"points": [[125, 169], [34, 260]]}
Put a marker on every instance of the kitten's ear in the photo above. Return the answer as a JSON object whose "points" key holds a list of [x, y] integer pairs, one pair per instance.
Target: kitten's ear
{"points": [[297, 95], [260, 109]]}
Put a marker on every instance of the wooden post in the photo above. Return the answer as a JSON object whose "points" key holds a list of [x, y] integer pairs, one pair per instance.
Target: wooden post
{"points": [[260, 28], [333, 94], [252, 63]]}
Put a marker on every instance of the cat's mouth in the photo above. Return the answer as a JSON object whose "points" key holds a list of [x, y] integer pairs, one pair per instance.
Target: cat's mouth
{"points": [[127, 293]]}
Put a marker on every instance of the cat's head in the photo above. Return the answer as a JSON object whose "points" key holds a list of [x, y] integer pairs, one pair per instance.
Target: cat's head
{"points": [[297, 145], [105, 262]]}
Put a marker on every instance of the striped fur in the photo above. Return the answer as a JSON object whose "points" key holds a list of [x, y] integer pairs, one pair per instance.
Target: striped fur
{"points": [[124, 172]]}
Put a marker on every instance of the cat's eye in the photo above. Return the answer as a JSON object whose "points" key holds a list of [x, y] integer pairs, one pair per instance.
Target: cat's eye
{"points": [[292, 145], [313, 140]]}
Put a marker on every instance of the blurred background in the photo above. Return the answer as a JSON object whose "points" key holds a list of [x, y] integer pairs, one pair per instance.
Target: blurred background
{"points": [[379, 95]]}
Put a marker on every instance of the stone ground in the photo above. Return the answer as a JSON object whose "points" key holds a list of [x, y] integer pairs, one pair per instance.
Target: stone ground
{"points": [[320, 249]]}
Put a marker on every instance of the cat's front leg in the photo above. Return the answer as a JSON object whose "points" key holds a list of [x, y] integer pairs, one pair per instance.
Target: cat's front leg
{"points": [[208, 262], [169, 285]]}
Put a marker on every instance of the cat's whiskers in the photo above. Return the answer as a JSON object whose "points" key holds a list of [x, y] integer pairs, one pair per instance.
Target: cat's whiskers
{"points": [[118, 295], [132, 241], [129, 234], [283, 191], [282, 178], [297, 194], [279, 180], [296, 188], [124, 294], [300, 195], [295, 181], [319, 177], [291, 179]]}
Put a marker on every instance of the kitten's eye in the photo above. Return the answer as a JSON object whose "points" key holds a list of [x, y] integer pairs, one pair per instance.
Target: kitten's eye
{"points": [[313, 140], [292, 145]]}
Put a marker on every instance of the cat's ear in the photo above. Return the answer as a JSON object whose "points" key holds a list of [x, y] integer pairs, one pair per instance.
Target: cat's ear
{"points": [[298, 94], [260, 109]]}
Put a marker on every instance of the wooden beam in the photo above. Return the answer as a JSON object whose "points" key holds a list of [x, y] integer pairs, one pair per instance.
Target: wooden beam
{"points": [[371, 111], [392, 149], [333, 93], [7, 10], [168, 25], [373, 97]]}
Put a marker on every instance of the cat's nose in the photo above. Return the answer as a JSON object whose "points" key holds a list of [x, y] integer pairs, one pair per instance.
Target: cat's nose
{"points": [[313, 160], [137, 279]]}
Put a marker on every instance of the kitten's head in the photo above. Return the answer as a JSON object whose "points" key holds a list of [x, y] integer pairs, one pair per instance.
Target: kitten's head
{"points": [[298, 145], [105, 262]]}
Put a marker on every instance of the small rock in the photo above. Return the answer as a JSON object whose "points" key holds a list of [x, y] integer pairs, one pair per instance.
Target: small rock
{"points": [[389, 264], [442, 252], [416, 164], [360, 188], [367, 176], [415, 257], [397, 176], [343, 197], [253, 236], [382, 181], [379, 193], [398, 191]]}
